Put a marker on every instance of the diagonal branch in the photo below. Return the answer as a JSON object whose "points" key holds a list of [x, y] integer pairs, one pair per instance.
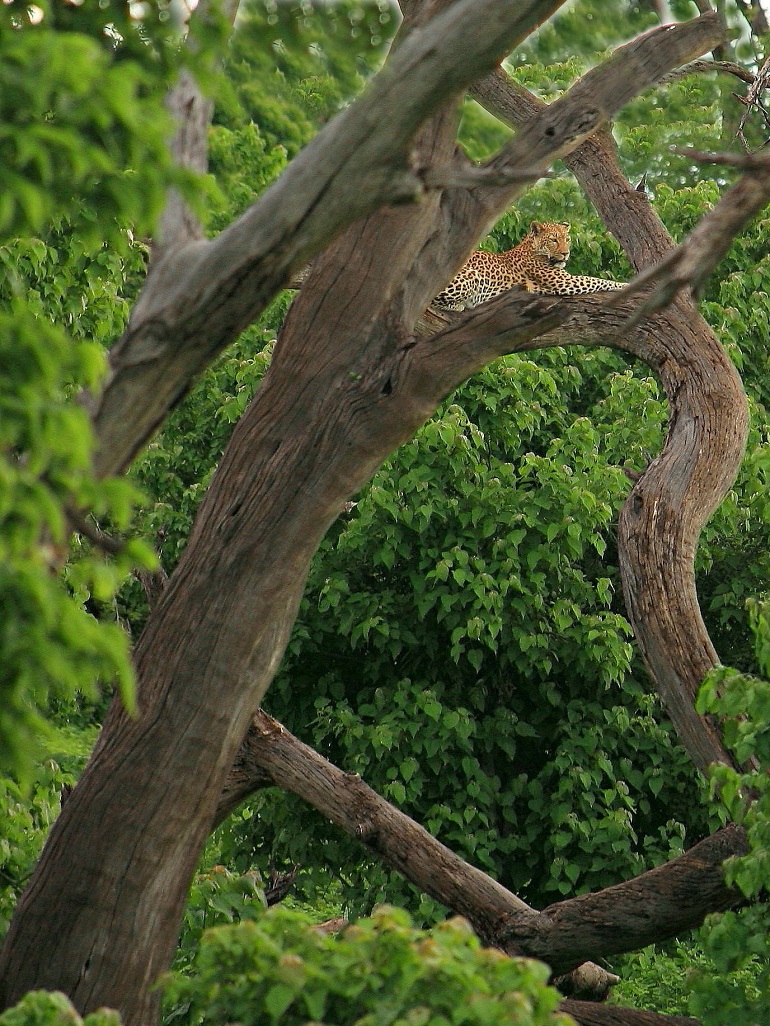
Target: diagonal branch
{"points": [[560, 129], [606, 89], [588, 1014], [725, 67], [692, 263], [657, 905], [202, 295]]}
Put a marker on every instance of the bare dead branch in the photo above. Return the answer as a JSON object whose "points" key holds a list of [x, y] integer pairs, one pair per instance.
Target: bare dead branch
{"points": [[657, 905], [746, 161], [191, 113], [478, 177]]}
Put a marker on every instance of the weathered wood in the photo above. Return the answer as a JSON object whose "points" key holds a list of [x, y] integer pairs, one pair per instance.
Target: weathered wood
{"points": [[655, 906], [588, 1014], [662, 519], [100, 917], [200, 295], [662, 903]]}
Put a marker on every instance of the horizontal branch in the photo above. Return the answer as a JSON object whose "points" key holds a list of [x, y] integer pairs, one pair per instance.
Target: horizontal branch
{"points": [[657, 905], [589, 1014]]}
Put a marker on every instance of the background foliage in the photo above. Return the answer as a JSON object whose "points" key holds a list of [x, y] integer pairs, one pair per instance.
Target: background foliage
{"points": [[462, 642], [379, 971]]}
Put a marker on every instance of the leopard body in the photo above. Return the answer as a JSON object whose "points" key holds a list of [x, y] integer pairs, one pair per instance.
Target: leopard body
{"points": [[536, 265]]}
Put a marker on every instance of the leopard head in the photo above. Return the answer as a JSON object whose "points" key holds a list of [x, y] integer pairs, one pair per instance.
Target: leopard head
{"points": [[550, 240]]}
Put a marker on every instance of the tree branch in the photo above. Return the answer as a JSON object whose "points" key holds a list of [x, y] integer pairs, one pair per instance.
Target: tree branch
{"points": [[661, 521], [200, 296], [696, 67], [657, 905], [694, 260], [606, 89], [588, 1014]]}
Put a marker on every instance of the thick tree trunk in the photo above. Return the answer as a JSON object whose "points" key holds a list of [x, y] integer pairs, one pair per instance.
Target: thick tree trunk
{"points": [[348, 384], [100, 918]]}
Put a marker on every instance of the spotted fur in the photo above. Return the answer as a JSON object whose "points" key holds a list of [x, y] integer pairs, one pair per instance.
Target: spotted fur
{"points": [[536, 265]]}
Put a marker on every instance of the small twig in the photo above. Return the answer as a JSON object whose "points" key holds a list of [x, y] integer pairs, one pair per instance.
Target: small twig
{"points": [[746, 161], [755, 90], [82, 525], [724, 67]]}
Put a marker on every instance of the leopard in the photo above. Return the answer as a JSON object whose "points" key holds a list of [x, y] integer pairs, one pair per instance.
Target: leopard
{"points": [[536, 264]]}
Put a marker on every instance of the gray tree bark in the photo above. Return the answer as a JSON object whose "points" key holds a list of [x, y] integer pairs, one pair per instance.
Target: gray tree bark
{"points": [[349, 382]]}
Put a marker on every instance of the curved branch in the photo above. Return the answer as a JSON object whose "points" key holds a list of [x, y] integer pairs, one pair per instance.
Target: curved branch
{"points": [[708, 424], [724, 67]]}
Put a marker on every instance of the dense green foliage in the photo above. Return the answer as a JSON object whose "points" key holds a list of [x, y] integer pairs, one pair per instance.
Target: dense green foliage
{"points": [[462, 642], [380, 971], [83, 159], [740, 940], [40, 1008]]}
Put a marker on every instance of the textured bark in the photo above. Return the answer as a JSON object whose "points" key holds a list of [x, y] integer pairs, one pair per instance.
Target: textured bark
{"points": [[708, 424], [100, 917], [202, 294], [656, 906], [588, 1014], [348, 383]]}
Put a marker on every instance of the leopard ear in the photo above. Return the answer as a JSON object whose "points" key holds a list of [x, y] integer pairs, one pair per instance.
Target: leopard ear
{"points": [[536, 227], [565, 224]]}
